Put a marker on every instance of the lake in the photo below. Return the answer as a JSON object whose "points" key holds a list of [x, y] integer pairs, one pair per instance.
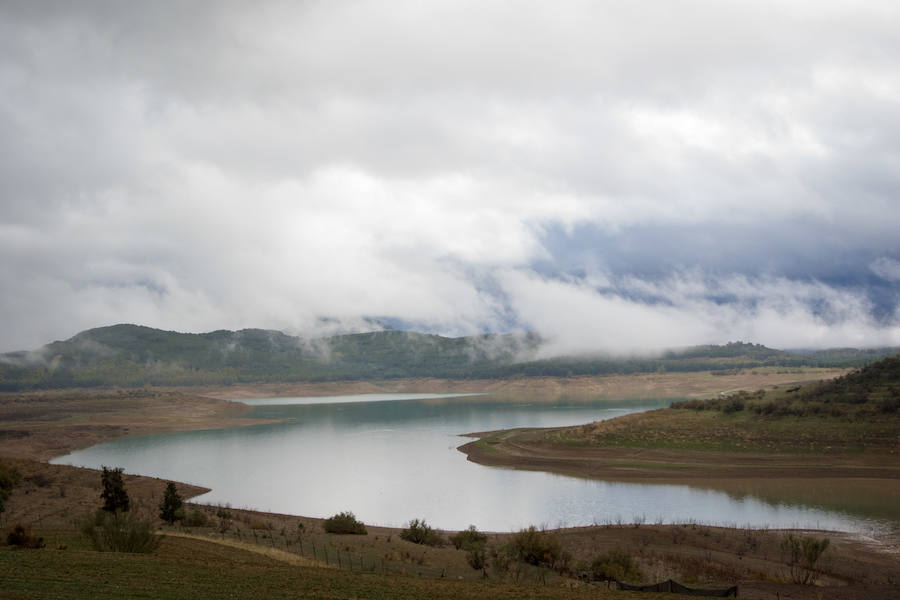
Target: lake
{"points": [[393, 457]]}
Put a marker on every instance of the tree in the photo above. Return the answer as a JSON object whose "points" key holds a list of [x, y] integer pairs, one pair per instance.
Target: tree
{"points": [[114, 496], [170, 508]]}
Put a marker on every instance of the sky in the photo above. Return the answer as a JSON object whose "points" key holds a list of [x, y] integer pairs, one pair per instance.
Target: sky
{"points": [[616, 176]]}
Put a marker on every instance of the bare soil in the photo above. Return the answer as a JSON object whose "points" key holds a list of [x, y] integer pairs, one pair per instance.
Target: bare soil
{"points": [[42, 425], [550, 389]]}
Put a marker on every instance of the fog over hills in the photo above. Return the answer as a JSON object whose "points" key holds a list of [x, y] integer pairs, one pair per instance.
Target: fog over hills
{"points": [[133, 355], [610, 175]]}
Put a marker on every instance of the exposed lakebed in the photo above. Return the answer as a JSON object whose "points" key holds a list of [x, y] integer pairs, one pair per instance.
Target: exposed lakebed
{"points": [[392, 457]]}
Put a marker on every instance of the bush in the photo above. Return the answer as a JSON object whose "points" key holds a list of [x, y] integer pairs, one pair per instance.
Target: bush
{"points": [[803, 554], [477, 557], [420, 532], [344, 522], [195, 518], [468, 538], [615, 565], [9, 478], [120, 532], [535, 547], [474, 543], [21, 537]]}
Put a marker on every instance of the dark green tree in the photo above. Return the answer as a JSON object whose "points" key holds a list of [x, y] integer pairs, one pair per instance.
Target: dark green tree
{"points": [[114, 496], [170, 507]]}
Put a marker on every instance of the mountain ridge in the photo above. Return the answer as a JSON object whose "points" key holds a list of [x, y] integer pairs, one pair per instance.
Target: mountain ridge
{"points": [[132, 355]]}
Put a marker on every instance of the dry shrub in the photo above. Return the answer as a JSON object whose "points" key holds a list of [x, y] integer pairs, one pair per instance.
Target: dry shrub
{"points": [[120, 532]]}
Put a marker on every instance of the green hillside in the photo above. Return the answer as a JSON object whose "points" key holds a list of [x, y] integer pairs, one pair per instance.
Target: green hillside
{"points": [[132, 355]]}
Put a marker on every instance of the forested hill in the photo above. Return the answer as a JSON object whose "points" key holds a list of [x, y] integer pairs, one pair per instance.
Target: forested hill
{"points": [[132, 355]]}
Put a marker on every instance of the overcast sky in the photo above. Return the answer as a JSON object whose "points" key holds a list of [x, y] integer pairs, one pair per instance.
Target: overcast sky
{"points": [[613, 175]]}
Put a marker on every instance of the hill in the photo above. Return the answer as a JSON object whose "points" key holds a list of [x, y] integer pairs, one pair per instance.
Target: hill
{"points": [[136, 356]]}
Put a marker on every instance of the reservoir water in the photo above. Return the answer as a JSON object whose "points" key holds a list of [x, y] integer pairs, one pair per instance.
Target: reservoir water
{"points": [[393, 457]]}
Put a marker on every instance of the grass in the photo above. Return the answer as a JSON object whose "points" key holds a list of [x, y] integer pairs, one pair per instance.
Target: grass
{"points": [[736, 432], [193, 569]]}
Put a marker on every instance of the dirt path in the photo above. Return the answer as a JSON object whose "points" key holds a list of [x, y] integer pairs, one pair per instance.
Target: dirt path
{"points": [[273, 553]]}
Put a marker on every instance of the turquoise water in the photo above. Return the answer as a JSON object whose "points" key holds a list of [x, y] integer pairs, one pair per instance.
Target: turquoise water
{"points": [[391, 458]]}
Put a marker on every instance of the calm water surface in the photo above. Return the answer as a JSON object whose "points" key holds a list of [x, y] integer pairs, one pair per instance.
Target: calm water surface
{"points": [[392, 457]]}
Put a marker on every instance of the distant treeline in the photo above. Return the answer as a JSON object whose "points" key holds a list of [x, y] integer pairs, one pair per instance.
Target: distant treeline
{"points": [[135, 356]]}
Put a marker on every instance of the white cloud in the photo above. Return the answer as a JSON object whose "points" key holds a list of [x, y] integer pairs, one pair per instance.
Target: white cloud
{"points": [[209, 165], [886, 268]]}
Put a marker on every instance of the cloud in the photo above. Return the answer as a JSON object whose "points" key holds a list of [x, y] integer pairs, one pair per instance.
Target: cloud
{"points": [[640, 316], [454, 166]]}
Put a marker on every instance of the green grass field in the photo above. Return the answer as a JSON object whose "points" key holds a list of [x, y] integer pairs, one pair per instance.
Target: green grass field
{"points": [[718, 431], [192, 569]]}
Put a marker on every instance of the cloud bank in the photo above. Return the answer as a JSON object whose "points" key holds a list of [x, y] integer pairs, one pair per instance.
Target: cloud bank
{"points": [[611, 176]]}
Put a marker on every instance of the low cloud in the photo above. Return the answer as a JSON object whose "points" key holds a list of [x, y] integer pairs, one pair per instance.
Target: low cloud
{"points": [[609, 176]]}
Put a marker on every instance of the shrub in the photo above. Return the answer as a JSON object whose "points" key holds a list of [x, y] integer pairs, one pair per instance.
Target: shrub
{"points": [[195, 518], [223, 512], [733, 405], [803, 554], [477, 557], [344, 522], [468, 538], [420, 532], [21, 537], [615, 565], [120, 532], [9, 478], [474, 543], [535, 547]]}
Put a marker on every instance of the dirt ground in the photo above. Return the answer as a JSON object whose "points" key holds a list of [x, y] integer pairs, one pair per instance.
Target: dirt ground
{"points": [[550, 389], [43, 425]]}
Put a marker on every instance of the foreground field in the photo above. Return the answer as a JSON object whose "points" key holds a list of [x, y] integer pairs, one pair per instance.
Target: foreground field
{"points": [[192, 569], [246, 554]]}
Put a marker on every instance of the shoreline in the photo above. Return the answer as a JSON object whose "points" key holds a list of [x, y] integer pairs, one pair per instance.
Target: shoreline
{"points": [[770, 477]]}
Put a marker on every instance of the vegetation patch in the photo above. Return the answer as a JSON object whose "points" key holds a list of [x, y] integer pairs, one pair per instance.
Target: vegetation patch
{"points": [[344, 522], [850, 414], [120, 532], [419, 532], [22, 537], [616, 565], [536, 547]]}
